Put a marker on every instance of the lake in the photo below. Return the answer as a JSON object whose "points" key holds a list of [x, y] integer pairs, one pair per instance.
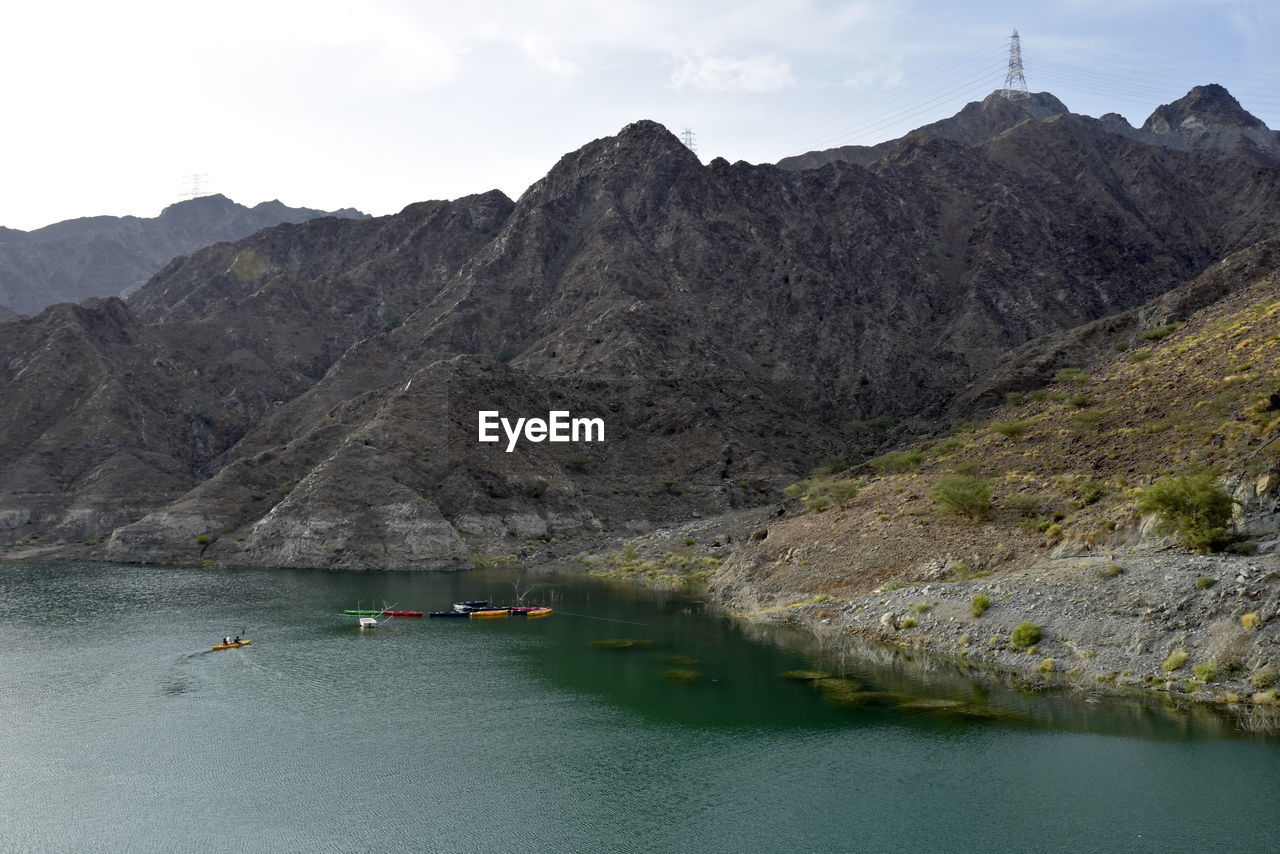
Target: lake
{"points": [[122, 731]]}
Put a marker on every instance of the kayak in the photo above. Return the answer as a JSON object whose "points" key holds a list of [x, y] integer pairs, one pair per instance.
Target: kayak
{"points": [[218, 646], [403, 613], [540, 612], [351, 612], [490, 614], [449, 614]]}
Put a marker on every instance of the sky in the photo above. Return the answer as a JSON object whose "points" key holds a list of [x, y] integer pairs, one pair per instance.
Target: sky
{"points": [[111, 108]]}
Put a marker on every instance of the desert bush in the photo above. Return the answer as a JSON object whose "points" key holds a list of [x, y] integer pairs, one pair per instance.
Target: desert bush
{"points": [[1250, 621], [1194, 506], [1079, 401], [1227, 645], [979, 605], [1086, 420], [963, 495], [1079, 376], [1025, 504], [1161, 332], [1264, 677], [1175, 660], [1110, 571], [203, 540], [1045, 667], [1025, 634], [908, 623], [1011, 429], [1206, 671], [1204, 582], [896, 462]]}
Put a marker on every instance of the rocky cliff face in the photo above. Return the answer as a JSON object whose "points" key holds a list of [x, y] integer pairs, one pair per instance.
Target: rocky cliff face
{"points": [[110, 256], [307, 395]]}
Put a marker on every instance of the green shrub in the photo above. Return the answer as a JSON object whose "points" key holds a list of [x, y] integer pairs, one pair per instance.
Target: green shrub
{"points": [[203, 540], [1045, 667], [1194, 506], [819, 493], [1014, 398], [896, 462], [1086, 420], [963, 495], [1024, 504], [1079, 376], [908, 623], [1161, 332], [979, 605], [1139, 356], [1011, 429], [1204, 582], [1025, 634], [1264, 677], [922, 607], [1176, 660], [1079, 401], [1110, 571], [1088, 491], [1206, 671]]}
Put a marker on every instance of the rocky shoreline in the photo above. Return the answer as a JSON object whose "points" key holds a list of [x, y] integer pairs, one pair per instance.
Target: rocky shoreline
{"points": [[1200, 627]]}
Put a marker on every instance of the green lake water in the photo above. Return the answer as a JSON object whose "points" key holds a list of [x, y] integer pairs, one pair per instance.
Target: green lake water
{"points": [[121, 731]]}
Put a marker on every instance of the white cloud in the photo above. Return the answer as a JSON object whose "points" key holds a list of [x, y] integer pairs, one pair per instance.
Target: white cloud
{"points": [[733, 74]]}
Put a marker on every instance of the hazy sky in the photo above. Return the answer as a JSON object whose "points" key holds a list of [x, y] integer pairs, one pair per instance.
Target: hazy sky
{"points": [[376, 104]]}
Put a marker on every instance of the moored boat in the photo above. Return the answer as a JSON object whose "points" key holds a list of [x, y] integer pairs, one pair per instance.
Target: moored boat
{"points": [[402, 613], [539, 612], [490, 614], [469, 605], [365, 612], [233, 645], [449, 614]]}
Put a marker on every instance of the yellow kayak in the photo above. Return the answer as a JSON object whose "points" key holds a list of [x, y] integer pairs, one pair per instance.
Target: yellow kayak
{"points": [[218, 646], [491, 614]]}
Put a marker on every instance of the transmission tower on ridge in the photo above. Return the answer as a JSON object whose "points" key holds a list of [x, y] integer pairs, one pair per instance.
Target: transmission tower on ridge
{"points": [[687, 139], [1015, 84], [194, 181]]}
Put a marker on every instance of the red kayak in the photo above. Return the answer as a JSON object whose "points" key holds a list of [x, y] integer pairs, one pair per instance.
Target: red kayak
{"points": [[403, 613]]}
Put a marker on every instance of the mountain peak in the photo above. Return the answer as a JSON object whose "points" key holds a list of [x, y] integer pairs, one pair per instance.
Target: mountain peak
{"points": [[1203, 108]]}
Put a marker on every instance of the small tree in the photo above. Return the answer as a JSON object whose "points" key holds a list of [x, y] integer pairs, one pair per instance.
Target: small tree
{"points": [[1194, 506], [963, 495]]}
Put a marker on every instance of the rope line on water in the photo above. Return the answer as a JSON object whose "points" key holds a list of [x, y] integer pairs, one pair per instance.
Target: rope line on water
{"points": [[606, 619]]}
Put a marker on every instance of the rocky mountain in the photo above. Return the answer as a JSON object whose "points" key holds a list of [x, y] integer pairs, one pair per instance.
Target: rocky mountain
{"points": [[307, 395], [111, 256], [1206, 118]]}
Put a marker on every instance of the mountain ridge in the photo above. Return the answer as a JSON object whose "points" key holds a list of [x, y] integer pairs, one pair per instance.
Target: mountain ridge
{"points": [[306, 396], [102, 256]]}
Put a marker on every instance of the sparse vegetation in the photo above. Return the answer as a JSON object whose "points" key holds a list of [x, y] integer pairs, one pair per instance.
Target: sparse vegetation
{"points": [[896, 462], [1206, 671], [1011, 429], [1045, 667], [1026, 634], [819, 493], [1079, 376], [1264, 677], [1204, 582], [1250, 621], [963, 495], [1110, 571], [1194, 506], [1175, 661], [1161, 332], [979, 604]]}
